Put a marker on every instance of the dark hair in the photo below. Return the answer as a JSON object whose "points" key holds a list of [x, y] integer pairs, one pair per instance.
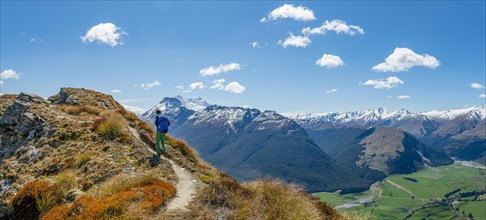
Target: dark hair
{"points": [[158, 111]]}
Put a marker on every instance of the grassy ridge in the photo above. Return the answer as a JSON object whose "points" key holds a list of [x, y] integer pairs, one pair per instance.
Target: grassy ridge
{"points": [[429, 190]]}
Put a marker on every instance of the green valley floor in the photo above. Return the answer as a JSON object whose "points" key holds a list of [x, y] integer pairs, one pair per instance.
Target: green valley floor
{"points": [[447, 192]]}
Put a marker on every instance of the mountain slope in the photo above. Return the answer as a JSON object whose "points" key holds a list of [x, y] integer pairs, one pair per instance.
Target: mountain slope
{"points": [[377, 152], [275, 146], [250, 144]]}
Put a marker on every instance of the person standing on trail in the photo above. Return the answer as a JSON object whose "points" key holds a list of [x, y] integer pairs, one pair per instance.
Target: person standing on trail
{"points": [[162, 124]]}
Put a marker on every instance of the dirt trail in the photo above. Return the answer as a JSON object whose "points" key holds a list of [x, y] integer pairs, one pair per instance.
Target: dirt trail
{"points": [[186, 185]]}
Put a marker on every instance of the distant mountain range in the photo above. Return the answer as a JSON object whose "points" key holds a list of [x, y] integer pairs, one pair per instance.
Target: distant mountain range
{"points": [[460, 132], [324, 152]]}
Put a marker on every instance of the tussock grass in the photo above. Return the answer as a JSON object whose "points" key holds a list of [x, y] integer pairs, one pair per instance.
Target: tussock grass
{"points": [[111, 126], [183, 147], [82, 160], [266, 199], [142, 195], [65, 181], [35, 198], [76, 110]]}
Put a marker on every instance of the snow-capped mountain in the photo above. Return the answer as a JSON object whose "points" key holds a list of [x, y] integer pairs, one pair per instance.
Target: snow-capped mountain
{"points": [[195, 104], [460, 132], [134, 109], [384, 117]]}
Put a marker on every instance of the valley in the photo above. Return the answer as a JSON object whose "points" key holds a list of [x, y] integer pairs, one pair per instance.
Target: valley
{"points": [[432, 193]]}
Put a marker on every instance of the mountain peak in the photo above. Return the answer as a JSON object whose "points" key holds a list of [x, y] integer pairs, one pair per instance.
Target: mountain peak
{"points": [[194, 104]]}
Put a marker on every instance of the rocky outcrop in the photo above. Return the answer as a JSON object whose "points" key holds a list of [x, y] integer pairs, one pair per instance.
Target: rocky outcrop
{"points": [[19, 124], [84, 97]]}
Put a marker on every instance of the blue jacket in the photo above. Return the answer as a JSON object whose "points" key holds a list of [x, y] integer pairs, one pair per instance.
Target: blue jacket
{"points": [[162, 123]]}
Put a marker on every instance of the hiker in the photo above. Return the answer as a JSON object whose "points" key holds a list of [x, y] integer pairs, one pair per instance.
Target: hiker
{"points": [[162, 123]]}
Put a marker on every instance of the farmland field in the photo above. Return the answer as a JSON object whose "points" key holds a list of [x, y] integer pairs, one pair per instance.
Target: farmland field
{"points": [[421, 195]]}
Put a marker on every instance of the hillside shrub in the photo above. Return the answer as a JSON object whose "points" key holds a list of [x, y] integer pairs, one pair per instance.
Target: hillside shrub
{"points": [[35, 198], [183, 147], [145, 194], [82, 159]]}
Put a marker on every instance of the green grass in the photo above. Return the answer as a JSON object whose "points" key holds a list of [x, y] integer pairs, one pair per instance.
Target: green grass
{"points": [[395, 208], [335, 199], [477, 208], [389, 190], [435, 213], [436, 182], [432, 183]]}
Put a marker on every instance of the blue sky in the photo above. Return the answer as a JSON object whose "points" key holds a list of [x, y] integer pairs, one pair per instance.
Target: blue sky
{"points": [[164, 47]]}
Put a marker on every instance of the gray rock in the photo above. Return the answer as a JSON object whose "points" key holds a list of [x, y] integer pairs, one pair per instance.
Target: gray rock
{"points": [[20, 124]]}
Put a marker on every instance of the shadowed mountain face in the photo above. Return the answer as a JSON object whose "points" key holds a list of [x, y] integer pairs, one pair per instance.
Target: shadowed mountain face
{"points": [[376, 152], [250, 144]]}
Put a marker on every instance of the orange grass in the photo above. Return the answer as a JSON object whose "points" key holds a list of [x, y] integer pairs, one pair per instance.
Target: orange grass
{"points": [[147, 193]]}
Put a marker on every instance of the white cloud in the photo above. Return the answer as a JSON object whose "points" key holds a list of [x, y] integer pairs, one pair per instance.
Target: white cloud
{"points": [[116, 91], [296, 41], [337, 26], [218, 84], [10, 74], [255, 44], [299, 13], [482, 96], [179, 87], [148, 85], [222, 68], [36, 40], [404, 97], [387, 83], [402, 59], [330, 61], [197, 85], [106, 33], [477, 86], [331, 91], [235, 87]]}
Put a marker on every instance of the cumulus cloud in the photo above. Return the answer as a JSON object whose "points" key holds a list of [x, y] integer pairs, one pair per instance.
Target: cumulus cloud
{"points": [[148, 85], [387, 83], [331, 91], [106, 33], [482, 96], [9, 74], [234, 87], [477, 86], [299, 13], [296, 41], [255, 44], [402, 59], [222, 68], [197, 85], [330, 61], [116, 91], [337, 26], [404, 97], [218, 84]]}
